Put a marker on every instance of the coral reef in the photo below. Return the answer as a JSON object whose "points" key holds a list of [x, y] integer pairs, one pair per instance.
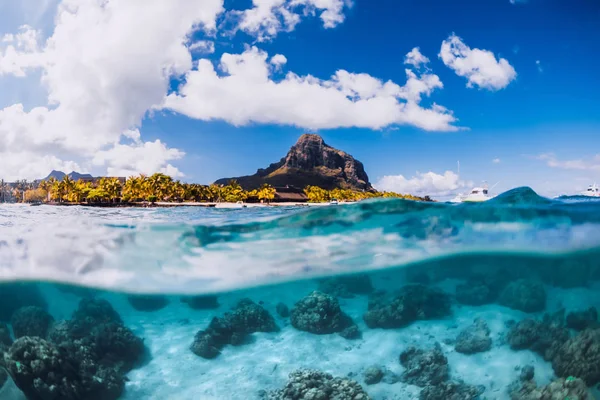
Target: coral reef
{"points": [[320, 313], [147, 303], [45, 372], [351, 332], [205, 302], [316, 385], [524, 295], [31, 321], [527, 373], [282, 310], [346, 286], [580, 320], [373, 375], [543, 337], [90, 313], [96, 332], [16, 295], [474, 339], [5, 339], [424, 367], [480, 289], [561, 389], [3, 374], [232, 328], [413, 302], [84, 358], [580, 357], [450, 390]]}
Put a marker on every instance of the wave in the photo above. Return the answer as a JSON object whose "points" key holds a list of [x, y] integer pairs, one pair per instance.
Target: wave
{"points": [[198, 250]]}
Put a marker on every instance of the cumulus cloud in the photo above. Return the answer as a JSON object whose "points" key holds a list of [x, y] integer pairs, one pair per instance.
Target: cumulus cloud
{"points": [[423, 184], [203, 47], [32, 165], [99, 85], [267, 18], [278, 60], [142, 157], [496, 161], [480, 67], [20, 52], [107, 63], [589, 164], [415, 58], [246, 93]]}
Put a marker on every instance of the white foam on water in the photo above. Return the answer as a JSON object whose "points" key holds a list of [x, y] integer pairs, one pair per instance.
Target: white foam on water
{"points": [[194, 250]]}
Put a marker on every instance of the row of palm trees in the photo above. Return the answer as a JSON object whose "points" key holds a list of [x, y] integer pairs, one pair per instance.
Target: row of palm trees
{"points": [[153, 188], [317, 194], [161, 187]]}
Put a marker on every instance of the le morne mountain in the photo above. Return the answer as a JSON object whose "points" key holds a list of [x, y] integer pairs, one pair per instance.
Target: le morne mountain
{"points": [[310, 162]]}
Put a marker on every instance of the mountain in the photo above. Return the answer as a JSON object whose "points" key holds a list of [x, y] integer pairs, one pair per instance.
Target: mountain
{"points": [[59, 175], [76, 176], [310, 162]]}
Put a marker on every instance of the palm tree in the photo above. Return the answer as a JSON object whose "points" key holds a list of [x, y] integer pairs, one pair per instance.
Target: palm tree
{"points": [[3, 187], [46, 186], [214, 192], [266, 192], [316, 194], [112, 188], [233, 192], [135, 188], [159, 185]]}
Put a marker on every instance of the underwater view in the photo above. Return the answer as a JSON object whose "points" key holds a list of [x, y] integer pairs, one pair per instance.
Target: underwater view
{"points": [[383, 299]]}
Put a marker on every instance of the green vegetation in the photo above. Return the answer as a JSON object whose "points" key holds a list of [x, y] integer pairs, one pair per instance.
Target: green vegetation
{"points": [[316, 194], [162, 188]]}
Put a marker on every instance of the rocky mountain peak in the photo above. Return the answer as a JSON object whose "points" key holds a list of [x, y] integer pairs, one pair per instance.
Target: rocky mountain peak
{"points": [[311, 162]]}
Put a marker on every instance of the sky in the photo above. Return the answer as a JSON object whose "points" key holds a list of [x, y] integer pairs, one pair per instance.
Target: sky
{"points": [[205, 89]]}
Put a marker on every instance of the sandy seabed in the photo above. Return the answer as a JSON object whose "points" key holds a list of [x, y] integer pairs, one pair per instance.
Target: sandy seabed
{"points": [[172, 371]]}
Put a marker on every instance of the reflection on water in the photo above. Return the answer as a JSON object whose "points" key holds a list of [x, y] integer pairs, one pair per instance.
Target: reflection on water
{"points": [[464, 327]]}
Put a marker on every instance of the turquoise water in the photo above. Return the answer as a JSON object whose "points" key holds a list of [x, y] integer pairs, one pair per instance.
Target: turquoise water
{"points": [[385, 299]]}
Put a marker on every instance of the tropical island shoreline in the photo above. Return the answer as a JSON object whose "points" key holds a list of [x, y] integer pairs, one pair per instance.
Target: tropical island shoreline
{"points": [[168, 204], [312, 172]]}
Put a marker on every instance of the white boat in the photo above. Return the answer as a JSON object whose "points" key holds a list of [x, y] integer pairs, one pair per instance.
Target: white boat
{"points": [[239, 204], [334, 202], [476, 195], [592, 191]]}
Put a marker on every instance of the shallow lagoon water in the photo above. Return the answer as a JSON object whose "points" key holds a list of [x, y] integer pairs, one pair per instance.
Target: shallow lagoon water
{"points": [[493, 262]]}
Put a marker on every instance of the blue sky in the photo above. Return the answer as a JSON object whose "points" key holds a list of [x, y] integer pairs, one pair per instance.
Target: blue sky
{"points": [[533, 121]]}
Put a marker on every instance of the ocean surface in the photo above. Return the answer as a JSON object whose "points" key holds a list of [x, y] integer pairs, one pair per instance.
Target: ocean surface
{"points": [[385, 299]]}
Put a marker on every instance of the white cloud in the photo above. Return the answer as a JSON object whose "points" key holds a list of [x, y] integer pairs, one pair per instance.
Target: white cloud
{"points": [[480, 67], [496, 161], [423, 184], [20, 52], [23, 164], [278, 60], [203, 47], [99, 84], [269, 17], [245, 93], [145, 158], [415, 58], [539, 66], [590, 164]]}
